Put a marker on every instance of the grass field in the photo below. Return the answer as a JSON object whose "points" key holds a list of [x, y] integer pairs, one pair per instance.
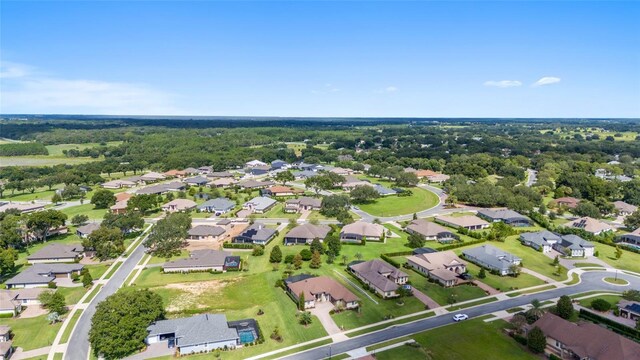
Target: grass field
{"points": [[86, 209], [41, 160], [505, 283], [443, 295], [72, 295], [611, 299], [32, 333], [56, 150], [468, 340], [628, 261], [395, 205]]}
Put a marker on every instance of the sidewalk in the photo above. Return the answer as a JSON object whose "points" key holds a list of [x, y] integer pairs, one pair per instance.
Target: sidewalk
{"points": [[425, 299]]}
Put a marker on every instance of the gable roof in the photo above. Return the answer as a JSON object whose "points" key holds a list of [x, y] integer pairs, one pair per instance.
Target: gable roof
{"points": [[574, 242], [260, 202], [378, 272], [309, 231], [462, 221], [588, 340], [427, 228], [218, 204], [321, 284], [437, 260], [363, 228], [492, 256], [258, 232], [541, 237], [55, 250], [200, 258], [42, 273], [305, 201], [206, 230], [195, 330], [88, 228], [624, 207], [589, 224], [249, 184], [196, 180], [180, 204], [502, 214]]}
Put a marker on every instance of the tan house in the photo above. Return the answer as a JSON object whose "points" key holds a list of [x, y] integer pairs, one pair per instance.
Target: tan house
{"points": [[304, 203], [206, 233], [118, 184], [358, 230], [567, 201], [469, 222], [380, 276], [321, 289], [279, 190], [444, 266], [624, 209], [585, 340], [590, 225], [430, 231], [179, 205]]}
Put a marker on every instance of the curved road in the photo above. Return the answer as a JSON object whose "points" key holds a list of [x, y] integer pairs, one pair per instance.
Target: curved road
{"points": [[78, 346], [590, 281]]}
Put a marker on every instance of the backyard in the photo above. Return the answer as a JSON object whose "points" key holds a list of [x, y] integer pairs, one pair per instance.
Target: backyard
{"points": [[393, 205]]}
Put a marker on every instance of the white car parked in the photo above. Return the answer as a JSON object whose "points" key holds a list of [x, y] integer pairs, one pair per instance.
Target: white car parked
{"points": [[460, 317]]}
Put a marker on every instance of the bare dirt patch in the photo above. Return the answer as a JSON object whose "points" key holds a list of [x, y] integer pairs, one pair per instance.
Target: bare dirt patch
{"points": [[195, 295]]}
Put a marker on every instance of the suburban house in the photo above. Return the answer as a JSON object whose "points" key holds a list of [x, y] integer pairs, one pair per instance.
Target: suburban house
{"points": [[624, 209], [384, 191], [567, 201], [202, 333], [196, 181], [6, 345], [590, 225], [629, 309], [120, 207], [118, 184], [306, 233], [85, 230], [254, 163], [204, 260], [544, 240], [430, 231], [259, 170], [351, 182], [254, 184], [40, 275], [492, 258], [179, 205], [205, 169], [24, 208], [257, 233], [305, 174], [152, 176], [279, 164], [259, 204], [220, 174], [574, 246], [278, 190], [380, 276], [358, 230], [432, 176], [223, 182], [302, 204], [123, 196], [217, 206], [585, 340], [55, 252], [320, 289], [469, 222], [443, 266], [507, 216], [191, 171], [12, 301], [206, 232], [175, 173], [161, 188], [342, 171], [631, 238]]}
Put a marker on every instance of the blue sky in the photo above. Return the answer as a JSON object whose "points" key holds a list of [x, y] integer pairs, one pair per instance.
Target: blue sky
{"points": [[383, 59]]}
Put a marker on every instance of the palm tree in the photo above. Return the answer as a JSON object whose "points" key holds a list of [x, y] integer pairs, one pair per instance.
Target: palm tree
{"points": [[536, 309]]}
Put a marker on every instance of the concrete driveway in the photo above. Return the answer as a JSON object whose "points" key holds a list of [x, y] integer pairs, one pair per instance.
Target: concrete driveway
{"points": [[321, 311]]}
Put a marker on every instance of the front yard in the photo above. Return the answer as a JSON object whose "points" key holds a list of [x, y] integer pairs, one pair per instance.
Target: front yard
{"points": [[393, 205], [32, 333]]}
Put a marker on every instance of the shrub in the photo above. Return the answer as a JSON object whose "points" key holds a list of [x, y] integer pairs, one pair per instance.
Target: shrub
{"points": [[600, 305]]}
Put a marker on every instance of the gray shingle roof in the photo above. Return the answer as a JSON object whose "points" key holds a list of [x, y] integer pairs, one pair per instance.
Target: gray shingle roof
{"points": [[258, 232], [261, 203], [206, 230], [88, 229], [199, 329], [492, 256], [378, 273], [309, 231], [540, 238], [42, 273], [501, 214], [218, 204], [574, 242], [53, 251]]}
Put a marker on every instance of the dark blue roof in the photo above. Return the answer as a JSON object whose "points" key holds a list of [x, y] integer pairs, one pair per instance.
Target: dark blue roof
{"points": [[423, 250], [635, 307]]}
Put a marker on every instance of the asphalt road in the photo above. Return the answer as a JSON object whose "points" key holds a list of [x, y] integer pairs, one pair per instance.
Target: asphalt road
{"points": [[78, 347], [590, 281], [532, 178]]}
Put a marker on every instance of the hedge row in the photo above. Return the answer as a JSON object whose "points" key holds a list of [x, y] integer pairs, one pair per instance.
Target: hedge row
{"points": [[228, 245], [458, 245], [612, 325]]}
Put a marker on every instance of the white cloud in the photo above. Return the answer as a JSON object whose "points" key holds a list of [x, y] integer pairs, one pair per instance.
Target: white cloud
{"points": [[9, 70], [25, 92], [328, 88], [503, 83], [388, 89], [546, 80]]}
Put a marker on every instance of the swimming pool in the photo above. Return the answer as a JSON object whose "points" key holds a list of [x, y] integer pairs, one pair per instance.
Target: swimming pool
{"points": [[246, 336]]}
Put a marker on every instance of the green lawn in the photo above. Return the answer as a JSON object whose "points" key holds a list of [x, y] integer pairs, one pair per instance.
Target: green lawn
{"points": [[32, 333], [97, 270], [67, 331], [504, 283], [72, 295], [616, 281], [56, 150], [158, 260], [277, 212], [42, 160], [113, 271], [628, 261], [86, 209], [392, 205], [468, 340], [442, 295], [611, 299]]}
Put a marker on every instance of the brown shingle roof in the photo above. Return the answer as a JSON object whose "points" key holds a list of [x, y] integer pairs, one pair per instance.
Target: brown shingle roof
{"points": [[589, 340], [322, 284]]}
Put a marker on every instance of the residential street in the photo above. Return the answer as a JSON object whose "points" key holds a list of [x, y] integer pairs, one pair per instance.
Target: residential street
{"points": [[590, 281], [78, 347]]}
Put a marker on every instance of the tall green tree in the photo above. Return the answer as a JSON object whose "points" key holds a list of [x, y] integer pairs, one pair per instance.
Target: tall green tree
{"points": [[103, 198], [126, 222], [107, 242], [119, 325], [53, 301], [334, 246], [536, 340], [276, 255], [564, 307], [316, 245], [284, 177], [169, 235], [40, 223], [363, 194], [316, 260]]}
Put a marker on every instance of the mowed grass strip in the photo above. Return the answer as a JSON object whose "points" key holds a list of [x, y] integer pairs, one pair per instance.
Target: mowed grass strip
{"points": [[67, 331]]}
